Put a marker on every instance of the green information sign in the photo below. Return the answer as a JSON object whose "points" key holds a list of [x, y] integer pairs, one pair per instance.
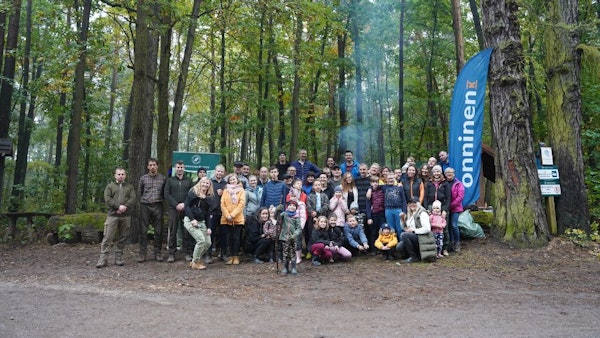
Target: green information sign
{"points": [[193, 161]]}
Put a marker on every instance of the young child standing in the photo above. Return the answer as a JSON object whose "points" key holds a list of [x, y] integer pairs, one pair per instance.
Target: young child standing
{"points": [[338, 206], [290, 229], [270, 232], [319, 242], [296, 194], [336, 236], [386, 242], [438, 223]]}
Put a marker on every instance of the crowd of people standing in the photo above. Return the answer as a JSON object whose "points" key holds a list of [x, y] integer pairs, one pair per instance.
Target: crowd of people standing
{"points": [[290, 211]]}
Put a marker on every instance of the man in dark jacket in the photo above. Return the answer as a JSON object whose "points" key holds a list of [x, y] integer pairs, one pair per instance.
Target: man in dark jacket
{"points": [[176, 189]]}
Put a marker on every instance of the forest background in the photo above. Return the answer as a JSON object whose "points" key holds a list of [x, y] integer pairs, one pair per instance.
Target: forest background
{"points": [[88, 85]]}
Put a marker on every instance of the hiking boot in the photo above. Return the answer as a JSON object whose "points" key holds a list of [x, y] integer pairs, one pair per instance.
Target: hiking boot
{"points": [[101, 263], [119, 261], [230, 261], [315, 261], [236, 260], [158, 257], [198, 265], [257, 261], [208, 259], [142, 258], [457, 247], [171, 259]]}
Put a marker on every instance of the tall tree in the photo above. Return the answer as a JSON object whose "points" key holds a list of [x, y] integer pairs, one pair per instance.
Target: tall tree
{"points": [[8, 77], [74, 139], [25, 120], [182, 80], [519, 211], [564, 115], [165, 31], [459, 43], [295, 111]]}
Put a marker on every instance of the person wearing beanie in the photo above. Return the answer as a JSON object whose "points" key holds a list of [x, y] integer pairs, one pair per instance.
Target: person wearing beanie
{"points": [[289, 232], [338, 205], [438, 223], [386, 242]]}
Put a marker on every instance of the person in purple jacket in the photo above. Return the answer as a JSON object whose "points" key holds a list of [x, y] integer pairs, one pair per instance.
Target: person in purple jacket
{"points": [[457, 195]]}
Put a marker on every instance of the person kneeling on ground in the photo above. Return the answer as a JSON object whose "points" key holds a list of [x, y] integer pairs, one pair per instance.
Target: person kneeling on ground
{"points": [[417, 240]]}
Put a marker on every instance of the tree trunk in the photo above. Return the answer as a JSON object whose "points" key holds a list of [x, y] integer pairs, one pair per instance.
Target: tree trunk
{"points": [[6, 82], [280, 103], [519, 212], [562, 63], [145, 51], [356, 22], [74, 139], [295, 113], [477, 24], [164, 74], [459, 44], [25, 122], [400, 82], [213, 96], [341, 43], [182, 80]]}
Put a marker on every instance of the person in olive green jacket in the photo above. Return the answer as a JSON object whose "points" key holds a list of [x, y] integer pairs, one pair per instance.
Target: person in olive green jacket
{"points": [[119, 197]]}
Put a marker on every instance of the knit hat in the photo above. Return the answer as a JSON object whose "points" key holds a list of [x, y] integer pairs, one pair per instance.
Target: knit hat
{"points": [[437, 204], [338, 188], [292, 202]]}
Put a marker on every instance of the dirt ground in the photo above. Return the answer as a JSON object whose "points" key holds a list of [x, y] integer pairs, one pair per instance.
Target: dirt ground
{"points": [[488, 289]]}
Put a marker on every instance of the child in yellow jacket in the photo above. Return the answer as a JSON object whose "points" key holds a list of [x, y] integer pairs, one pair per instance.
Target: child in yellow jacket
{"points": [[386, 242]]}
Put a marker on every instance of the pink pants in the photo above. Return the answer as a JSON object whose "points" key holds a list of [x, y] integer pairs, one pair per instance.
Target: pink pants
{"points": [[340, 251]]}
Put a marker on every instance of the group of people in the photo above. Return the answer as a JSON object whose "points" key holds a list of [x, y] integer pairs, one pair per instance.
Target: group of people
{"points": [[291, 211]]}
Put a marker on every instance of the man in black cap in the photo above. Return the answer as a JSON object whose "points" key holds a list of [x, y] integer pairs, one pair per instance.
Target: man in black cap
{"points": [[237, 169]]}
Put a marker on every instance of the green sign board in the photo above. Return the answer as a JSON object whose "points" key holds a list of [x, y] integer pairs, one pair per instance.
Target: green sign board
{"points": [[193, 161], [549, 180]]}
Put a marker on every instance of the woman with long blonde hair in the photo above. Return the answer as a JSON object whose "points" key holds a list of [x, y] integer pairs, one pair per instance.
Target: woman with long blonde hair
{"points": [[198, 204]]}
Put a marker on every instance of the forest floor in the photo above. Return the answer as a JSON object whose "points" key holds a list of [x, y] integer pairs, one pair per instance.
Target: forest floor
{"points": [[488, 289]]}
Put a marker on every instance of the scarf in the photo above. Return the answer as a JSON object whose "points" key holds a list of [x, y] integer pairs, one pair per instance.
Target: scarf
{"points": [[233, 189]]}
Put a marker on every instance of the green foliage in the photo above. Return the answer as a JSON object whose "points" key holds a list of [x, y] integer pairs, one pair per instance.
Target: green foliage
{"points": [[66, 232], [581, 238]]}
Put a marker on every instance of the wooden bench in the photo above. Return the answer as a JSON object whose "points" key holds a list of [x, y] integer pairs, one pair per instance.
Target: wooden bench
{"points": [[13, 217]]}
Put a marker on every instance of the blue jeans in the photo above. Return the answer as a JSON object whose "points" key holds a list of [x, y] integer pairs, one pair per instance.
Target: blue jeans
{"points": [[454, 232], [392, 217]]}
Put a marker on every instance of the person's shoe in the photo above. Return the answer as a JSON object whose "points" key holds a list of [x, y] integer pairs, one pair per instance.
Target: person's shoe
{"points": [[315, 261], [285, 270], [188, 258], [229, 261], [445, 253], [258, 261], [158, 257], [298, 256], [308, 255], [142, 258], [208, 259], [171, 259], [440, 256], [331, 260], [236, 260], [457, 247], [197, 265], [410, 260], [294, 271], [101, 263], [119, 261]]}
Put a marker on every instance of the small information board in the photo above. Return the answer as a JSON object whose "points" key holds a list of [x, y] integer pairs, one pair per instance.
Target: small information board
{"points": [[549, 180], [193, 161]]}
